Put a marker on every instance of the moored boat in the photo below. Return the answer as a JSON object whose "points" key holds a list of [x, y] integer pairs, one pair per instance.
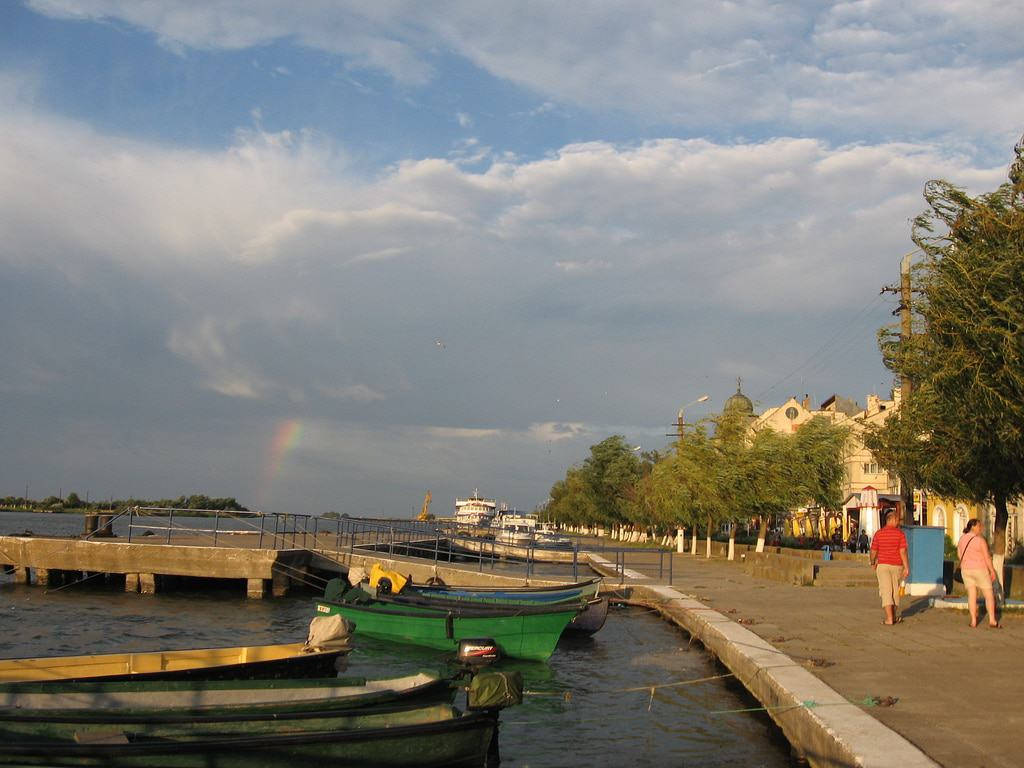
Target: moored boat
{"points": [[432, 735], [562, 593], [520, 631], [247, 661], [204, 700]]}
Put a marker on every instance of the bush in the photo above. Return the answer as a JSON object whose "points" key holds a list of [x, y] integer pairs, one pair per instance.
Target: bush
{"points": [[950, 549]]}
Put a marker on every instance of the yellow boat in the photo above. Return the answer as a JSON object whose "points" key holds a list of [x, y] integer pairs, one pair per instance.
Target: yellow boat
{"points": [[290, 660]]}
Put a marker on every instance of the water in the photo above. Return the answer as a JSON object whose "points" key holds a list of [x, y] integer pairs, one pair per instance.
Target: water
{"points": [[577, 713]]}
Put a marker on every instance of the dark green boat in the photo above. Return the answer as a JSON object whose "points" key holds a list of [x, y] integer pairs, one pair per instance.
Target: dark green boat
{"points": [[195, 701], [521, 631], [428, 736]]}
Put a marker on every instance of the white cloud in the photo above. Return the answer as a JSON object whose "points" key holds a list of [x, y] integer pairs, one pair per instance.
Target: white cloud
{"points": [[555, 431], [849, 67], [601, 284], [463, 119]]}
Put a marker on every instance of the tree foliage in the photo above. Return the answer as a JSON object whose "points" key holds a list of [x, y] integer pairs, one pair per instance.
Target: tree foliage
{"points": [[715, 473], [961, 432]]}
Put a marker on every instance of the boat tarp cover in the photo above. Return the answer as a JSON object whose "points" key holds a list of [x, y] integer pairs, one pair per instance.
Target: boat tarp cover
{"points": [[493, 689], [398, 581], [329, 632]]}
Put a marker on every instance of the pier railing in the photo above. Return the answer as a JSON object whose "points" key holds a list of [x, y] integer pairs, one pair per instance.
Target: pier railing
{"points": [[434, 541]]}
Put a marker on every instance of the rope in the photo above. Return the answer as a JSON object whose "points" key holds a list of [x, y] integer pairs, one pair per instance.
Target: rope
{"points": [[869, 701], [71, 584], [651, 688]]}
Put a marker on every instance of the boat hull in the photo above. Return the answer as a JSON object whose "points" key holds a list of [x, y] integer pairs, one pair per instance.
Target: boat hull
{"points": [[437, 735], [583, 590], [527, 633], [212, 701], [242, 662], [592, 618]]}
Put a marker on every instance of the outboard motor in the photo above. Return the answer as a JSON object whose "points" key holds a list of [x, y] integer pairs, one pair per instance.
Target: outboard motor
{"points": [[478, 652]]}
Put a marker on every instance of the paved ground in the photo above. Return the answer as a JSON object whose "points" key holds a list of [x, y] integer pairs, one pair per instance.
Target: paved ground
{"points": [[960, 691]]}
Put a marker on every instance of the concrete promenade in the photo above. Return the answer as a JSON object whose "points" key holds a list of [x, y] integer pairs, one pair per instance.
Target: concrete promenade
{"points": [[959, 690]]}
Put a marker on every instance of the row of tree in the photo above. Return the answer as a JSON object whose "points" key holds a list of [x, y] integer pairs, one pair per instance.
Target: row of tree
{"points": [[73, 502], [716, 474], [960, 429]]}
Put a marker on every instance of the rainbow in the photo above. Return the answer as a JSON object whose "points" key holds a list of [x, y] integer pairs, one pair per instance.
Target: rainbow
{"points": [[286, 436]]}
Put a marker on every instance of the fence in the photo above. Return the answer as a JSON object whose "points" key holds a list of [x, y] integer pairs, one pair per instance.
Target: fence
{"points": [[434, 541]]}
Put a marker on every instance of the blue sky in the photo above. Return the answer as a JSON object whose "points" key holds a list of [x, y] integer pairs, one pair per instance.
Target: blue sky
{"points": [[456, 243]]}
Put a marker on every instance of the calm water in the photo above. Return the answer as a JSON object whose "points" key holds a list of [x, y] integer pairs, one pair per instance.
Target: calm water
{"points": [[577, 713]]}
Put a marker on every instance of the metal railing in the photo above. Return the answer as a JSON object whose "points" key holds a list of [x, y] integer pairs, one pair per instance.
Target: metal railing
{"points": [[433, 541], [330, 537]]}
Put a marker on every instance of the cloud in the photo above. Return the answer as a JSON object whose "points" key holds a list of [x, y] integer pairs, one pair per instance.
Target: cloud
{"points": [[463, 119], [158, 291], [554, 431], [358, 392], [854, 68]]}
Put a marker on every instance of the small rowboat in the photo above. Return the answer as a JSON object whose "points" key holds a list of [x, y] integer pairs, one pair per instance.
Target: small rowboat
{"points": [[196, 701], [588, 622], [520, 631], [241, 662], [562, 593], [429, 736]]}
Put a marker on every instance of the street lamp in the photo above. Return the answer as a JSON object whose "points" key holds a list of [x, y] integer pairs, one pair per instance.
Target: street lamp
{"points": [[679, 418]]}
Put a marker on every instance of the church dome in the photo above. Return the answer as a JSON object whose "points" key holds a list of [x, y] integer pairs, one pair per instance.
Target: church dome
{"points": [[739, 402]]}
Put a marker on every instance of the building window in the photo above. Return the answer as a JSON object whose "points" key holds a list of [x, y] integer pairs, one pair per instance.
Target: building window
{"points": [[791, 413], [870, 467]]}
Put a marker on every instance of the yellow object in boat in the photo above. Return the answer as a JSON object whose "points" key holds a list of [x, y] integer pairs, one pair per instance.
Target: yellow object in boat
{"points": [[398, 581]]}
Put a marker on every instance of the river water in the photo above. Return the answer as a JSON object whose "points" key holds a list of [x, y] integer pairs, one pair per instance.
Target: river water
{"points": [[578, 711]]}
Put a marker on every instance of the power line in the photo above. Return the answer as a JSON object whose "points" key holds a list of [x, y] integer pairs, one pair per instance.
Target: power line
{"points": [[843, 327]]}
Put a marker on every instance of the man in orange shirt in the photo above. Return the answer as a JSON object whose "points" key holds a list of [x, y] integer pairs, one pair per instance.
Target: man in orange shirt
{"points": [[889, 559]]}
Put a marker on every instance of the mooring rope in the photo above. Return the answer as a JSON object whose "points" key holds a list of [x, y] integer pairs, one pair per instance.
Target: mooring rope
{"points": [[72, 583]]}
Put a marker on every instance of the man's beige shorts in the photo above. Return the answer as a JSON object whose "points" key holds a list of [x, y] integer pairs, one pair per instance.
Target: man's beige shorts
{"points": [[889, 583], [976, 577]]}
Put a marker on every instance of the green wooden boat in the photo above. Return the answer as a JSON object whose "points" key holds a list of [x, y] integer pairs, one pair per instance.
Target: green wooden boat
{"points": [[521, 631], [432, 735], [193, 701]]}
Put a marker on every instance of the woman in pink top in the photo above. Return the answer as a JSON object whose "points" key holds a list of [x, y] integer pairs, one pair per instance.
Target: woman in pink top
{"points": [[978, 573]]}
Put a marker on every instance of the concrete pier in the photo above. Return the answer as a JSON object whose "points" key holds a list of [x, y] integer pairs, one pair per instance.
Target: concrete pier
{"points": [[142, 565], [265, 572]]}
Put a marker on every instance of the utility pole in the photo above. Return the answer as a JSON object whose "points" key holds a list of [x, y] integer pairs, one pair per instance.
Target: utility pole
{"points": [[906, 329], [906, 385], [904, 310]]}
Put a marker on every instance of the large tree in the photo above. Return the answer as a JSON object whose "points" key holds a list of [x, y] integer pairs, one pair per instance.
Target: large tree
{"points": [[600, 490], [961, 432]]}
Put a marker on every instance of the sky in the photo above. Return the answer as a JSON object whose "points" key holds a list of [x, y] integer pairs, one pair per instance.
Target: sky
{"points": [[329, 255]]}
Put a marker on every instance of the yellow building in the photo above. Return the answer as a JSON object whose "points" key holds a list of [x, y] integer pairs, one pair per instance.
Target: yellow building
{"points": [[860, 468], [953, 514]]}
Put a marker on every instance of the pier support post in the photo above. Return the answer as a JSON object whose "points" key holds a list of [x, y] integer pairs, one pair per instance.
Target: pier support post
{"points": [[131, 582], [43, 576], [147, 583], [20, 574], [256, 588], [281, 583]]}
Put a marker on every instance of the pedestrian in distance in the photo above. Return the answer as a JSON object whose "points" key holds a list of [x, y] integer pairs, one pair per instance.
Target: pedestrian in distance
{"points": [[863, 541], [889, 559], [977, 571]]}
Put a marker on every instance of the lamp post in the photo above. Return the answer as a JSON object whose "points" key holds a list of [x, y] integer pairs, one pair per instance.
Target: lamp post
{"points": [[680, 424]]}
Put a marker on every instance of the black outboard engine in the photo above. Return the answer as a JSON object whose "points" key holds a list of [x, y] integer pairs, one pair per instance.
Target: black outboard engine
{"points": [[478, 652]]}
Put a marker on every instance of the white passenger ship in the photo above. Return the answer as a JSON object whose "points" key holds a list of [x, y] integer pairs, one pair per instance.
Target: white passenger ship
{"points": [[475, 510]]}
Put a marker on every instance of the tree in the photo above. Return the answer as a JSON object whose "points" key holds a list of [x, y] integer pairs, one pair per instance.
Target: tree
{"points": [[73, 501], [962, 430]]}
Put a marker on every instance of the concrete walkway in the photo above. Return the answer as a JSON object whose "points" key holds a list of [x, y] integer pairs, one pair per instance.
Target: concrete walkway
{"points": [[960, 692]]}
